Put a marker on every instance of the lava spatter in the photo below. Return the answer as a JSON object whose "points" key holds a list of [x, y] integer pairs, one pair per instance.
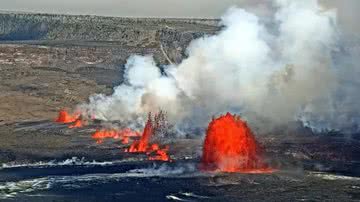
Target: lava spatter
{"points": [[153, 151], [142, 144], [77, 124], [230, 146], [75, 120], [123, 135], [65, 117]]}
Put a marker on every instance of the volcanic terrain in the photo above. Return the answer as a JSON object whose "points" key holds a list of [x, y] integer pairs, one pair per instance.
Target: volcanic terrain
{"points": [[54, 62]]}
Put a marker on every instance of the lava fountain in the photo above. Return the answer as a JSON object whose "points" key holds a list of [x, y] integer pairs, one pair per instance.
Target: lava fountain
{"points": [[143, 145], [230, 146]]}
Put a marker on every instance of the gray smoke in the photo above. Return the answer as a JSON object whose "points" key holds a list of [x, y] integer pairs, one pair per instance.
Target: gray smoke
{"points": [[295, 69]]}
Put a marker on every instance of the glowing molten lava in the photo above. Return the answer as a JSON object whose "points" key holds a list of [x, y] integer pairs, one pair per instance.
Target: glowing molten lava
{"points": [[65, 117], [230, 146], [160, 154], [75, 119], [77, 124], [141, 146], [123, 135]]}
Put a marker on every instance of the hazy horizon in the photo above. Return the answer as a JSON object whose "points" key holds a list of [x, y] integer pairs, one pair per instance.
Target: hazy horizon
{"points": [[134, 8], [152, 8], [347, 10]]}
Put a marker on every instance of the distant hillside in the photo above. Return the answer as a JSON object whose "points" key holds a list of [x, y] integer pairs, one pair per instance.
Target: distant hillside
{"points": [[49, 62], [130, 31], [173, 35]]}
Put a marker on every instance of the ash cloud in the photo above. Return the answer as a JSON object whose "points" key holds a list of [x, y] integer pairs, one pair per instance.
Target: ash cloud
{"points": [[295, 69]]}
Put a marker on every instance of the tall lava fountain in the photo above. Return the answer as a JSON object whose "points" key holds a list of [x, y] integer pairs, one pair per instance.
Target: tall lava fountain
{"points": [[230, 146]]}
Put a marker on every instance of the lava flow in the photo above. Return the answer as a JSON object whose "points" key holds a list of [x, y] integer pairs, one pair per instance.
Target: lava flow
{"points": [[230, 146], [123, 135], [142, 145], [75, 119], [65, 117], [160, 154], [77, 124]]}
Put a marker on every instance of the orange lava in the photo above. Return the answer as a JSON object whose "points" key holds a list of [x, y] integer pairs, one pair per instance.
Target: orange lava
{"points": [[154, 151], [77, 124], [142, 146], [230, 146], [65, 117], [123, 135], [75, 119], [160, 154]]}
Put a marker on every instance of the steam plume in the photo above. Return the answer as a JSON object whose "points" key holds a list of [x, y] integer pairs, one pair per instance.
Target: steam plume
{"points": [[280, 69]]}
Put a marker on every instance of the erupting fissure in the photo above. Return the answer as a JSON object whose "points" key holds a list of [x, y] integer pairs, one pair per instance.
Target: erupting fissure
{"points": [[66, 117], [123, 135], [75, 120], [154, 151], [77, 124], [153, 125], [230, 146]]}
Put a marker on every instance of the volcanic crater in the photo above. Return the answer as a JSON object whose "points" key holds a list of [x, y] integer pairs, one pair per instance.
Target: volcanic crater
{"points": [[45, 71]]}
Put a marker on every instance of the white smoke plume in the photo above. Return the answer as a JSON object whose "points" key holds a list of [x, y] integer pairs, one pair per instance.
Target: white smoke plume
{"points": [[279, 69]]}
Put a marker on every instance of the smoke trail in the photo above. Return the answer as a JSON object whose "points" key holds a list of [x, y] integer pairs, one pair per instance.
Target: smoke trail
{"points": [[280, 73]]}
